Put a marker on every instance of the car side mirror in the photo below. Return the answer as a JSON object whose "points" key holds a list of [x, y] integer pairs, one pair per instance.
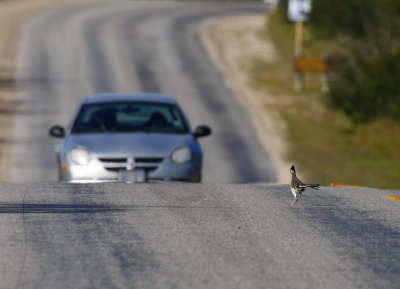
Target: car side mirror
{"points": [[202, 131], [57, 131]]}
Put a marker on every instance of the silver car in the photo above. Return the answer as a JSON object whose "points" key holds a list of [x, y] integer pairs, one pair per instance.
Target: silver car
{"points": [[129, 138]]}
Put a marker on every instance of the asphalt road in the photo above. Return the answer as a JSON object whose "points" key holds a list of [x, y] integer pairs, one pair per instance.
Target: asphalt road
{"points": [[196, 236], [56, 235], [73, 52]]}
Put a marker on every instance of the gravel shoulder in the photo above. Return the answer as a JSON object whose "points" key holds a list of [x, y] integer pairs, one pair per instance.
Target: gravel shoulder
{"points": [[230, 49], [233, 43]]}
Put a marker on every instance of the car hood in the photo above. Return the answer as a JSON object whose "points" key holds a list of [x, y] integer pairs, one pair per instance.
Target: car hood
{"points": [[138, 144]]}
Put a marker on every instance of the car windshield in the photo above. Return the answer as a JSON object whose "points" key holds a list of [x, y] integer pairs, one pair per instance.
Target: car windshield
{"points": [[130, 117]]}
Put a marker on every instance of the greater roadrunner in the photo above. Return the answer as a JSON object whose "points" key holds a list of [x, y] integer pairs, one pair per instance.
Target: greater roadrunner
{"points": [[297, 186]]}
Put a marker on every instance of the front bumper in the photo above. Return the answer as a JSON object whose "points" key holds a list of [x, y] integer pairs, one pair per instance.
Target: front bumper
{"points": [[165, 170]]}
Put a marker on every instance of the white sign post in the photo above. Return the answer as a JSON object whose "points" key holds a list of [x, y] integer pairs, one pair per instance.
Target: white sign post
{"points": [[298, 11]]}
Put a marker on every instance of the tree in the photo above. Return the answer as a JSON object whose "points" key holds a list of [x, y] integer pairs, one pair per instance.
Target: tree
{"points": [[364, 77], [331, 18]]}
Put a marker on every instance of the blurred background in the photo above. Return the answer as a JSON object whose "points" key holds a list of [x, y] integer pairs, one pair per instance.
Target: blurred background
{"points": [[344, 131]]}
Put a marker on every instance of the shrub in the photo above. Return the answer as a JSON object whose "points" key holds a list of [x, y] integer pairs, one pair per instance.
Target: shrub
{"points": [[366, 88]]}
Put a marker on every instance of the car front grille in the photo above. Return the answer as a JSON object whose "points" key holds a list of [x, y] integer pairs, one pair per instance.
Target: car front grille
{"points": [[116, 164]]}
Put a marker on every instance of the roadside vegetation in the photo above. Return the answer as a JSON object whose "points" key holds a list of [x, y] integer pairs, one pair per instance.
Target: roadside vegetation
{"points": [[351, 134]]}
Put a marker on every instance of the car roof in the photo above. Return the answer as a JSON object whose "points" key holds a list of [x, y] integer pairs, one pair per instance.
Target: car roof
{"points": [[127, 97]]}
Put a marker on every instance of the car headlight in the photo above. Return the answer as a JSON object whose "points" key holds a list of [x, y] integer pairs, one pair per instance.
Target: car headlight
{"points": [[182, 155], [80, 156]]}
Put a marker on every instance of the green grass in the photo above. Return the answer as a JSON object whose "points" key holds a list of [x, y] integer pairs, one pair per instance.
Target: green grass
{"points": [[324, 144]]}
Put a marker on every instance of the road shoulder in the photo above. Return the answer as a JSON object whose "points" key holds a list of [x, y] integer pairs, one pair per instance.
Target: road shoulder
{"points": [[233, 43]]}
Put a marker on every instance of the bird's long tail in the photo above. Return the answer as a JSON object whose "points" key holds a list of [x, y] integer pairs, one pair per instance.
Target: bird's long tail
{"points": [[313, 186]]}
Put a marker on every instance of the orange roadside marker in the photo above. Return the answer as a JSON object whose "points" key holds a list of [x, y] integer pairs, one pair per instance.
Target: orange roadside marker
{"points": [[393, 197], [336, 184], [342, 185]]}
